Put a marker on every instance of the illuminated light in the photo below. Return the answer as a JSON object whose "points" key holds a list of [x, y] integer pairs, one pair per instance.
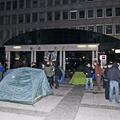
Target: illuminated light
{"points": [[17, 58], [92, 46], [81, 46], [83, 57], [113, 49], [17, 47], [117, 51]]}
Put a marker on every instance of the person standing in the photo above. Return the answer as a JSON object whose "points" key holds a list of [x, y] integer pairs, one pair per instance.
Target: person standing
{"points": [[89, 72], [58, 74], [98, 73], [1, 71], [49, 73], [113, 76]]}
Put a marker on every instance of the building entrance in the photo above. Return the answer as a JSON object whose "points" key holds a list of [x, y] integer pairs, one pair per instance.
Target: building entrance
{"points": [[19, 59]]}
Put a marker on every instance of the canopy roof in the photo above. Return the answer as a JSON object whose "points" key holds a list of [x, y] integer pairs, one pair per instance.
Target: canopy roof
{"points": [[63, 36]]}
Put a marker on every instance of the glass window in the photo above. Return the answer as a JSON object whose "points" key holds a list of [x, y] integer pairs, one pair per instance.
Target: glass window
{"points": [[15, 4], [1, 34], [14, 32], [35, 3], [8, 5], [27, 18], [41, 16], [14, 19], [90, 13], [109, 12], [81, 14], [20, 31], [49, 2], [7, 34], [73, 1], [100, 29], [73, 15], [117, 29], [7, 19], [82, 27], [21, 4], [42, 3], [99, 12], [81, 1], [20, 18], [91, 28], [57, 15], [57, 2], [65, 15], [28, 3], [49, 16], [34, 17], [1, 20], [27, 29], [65, 2], [117, 11], [108, 29], [2, 6]]}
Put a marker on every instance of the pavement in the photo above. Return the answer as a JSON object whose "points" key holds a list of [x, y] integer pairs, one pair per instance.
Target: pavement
{"points": [[67, 103]]}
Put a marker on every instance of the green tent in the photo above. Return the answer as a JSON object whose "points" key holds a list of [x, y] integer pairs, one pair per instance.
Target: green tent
{"points": [[78, 78]]}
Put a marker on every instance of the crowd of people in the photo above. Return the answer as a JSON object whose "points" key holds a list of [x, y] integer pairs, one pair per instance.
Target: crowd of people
{"points": [[108, 77]]}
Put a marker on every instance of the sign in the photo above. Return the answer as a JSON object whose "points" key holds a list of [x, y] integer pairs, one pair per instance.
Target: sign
{"points": [[103, 59]]}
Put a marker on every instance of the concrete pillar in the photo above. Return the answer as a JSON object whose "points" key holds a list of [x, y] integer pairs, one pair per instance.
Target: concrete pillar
{"points": [[64, 61], [60, 58], [8, 58], [95, 55], [34, 57]]}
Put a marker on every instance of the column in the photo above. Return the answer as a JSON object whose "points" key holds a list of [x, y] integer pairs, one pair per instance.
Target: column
{"points": [[60, 59], [95, 55], [32, 57], [64, 61], [8, 58]]}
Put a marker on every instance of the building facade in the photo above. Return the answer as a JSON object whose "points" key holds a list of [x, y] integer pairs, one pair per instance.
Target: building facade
{"points": [[20, 16]]}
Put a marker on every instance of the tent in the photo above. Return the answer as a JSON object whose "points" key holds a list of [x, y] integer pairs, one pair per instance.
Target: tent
{"points": [[24, 85], [78, 78]]}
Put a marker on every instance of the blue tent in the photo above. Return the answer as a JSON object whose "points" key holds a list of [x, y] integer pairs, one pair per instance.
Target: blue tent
{"points": [[24, 85]]}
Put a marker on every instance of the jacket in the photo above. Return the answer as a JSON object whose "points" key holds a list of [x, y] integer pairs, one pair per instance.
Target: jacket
{"points": [[88, 72], [98, 70], [114, 73]]}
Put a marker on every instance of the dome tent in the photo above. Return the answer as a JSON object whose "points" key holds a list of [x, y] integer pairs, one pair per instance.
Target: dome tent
{"points": [[24, 85]]}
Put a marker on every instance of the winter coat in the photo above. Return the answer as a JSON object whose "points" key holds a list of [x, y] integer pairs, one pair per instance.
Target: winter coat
{"points": [[98, 70], [88, 72], [49, 71], [114, 73]]}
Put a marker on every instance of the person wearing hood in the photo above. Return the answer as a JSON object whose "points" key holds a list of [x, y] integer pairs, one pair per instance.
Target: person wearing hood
{"points": [[113, 76]]}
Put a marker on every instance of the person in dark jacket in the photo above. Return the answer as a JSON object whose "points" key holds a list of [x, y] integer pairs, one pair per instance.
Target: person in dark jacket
{"points": [[58, 74], [89, 72], [113, 76], [106, 82]]}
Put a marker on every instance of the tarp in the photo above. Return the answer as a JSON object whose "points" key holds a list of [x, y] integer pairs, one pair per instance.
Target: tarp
{"points": [[24, 85], [78, 78]]}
